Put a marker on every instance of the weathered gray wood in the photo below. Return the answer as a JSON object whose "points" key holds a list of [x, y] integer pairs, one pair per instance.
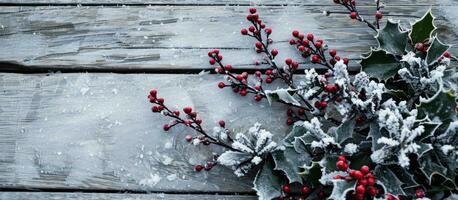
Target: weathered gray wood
{"points": [[173, 37], [207, 2], [96, 131], [105, 196]]}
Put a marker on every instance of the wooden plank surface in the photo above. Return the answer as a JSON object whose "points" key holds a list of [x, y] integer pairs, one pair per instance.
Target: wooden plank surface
{"points": [[98, 196], [165, 38], [96, 132], [203, 2]]}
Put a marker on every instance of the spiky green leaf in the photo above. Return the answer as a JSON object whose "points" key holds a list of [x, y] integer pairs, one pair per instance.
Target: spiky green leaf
{"points": [[422, 28], [267, 184], [380, 64], [392, 39], [436, 50]]}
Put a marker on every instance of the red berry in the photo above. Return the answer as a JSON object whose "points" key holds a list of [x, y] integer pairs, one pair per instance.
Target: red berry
{"points": [[310, 37], [155, 109], [268, 31], [360, 189], [317, 104], [252, 10], [318, 45], [268, 72], [300, 37], [420, 47], [269, 80], [362, 182], [301, 48], [166, 127], [286, 189], [176, 113], [346, 61], [258, 45], [212, 61], [292, 42], [295, 33], [353, 15], [447, 54], [221, 85], [187, 110], [222, 123], [251, 29], [360, 120], [289, 122], [198, 168], [288, 61], [305, 190], [258, 97], [274, 52], [341, 165], [373, 191], [301, 112], [228, 68], [315, 59], [153, 93], [358, 175], [160, 100], [294, 65], [378, 15], [188, 138], [342, 158], [324, 104], [420, 193], [332, 52], [244, 32], [243, 92], [364, 169], [280, 198], [330, 88], [389, 197], [370, 181]]}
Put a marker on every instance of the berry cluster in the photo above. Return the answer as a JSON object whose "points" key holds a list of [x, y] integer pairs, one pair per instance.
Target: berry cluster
{"points": [[364, 177], [354, 14], [304, 193]]}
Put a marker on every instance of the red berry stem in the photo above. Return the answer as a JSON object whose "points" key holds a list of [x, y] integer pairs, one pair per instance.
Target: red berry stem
{"points": [[354, 14], [378, 14], [193, 122]]}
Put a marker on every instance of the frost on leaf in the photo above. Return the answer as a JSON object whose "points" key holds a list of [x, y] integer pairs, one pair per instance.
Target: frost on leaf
{"points": [[284, 95], [267, 183], [250, 149]]}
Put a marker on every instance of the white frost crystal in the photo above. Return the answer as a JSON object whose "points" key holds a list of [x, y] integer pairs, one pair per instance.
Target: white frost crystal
{"points": [[400, 125], [351, 148], [250, 149]]}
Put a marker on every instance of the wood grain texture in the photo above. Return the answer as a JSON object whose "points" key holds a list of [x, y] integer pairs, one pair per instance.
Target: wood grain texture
{"points": [[174, 37], [96, 132], [95, 196], [206, 2]]}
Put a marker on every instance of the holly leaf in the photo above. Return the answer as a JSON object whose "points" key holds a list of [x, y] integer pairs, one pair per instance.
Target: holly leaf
{"points": [[345, 130], [297, 131], [267, 184], [288, 161], [312, 173], [424, 148], [380, 64], [388, 180], [436, 50], [341, 188], [392, 39], [284, 95], [440, 107], [375, 134], [422, 28]]}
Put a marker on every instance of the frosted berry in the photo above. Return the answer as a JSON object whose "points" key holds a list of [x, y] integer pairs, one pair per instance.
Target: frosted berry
{"points": [[353, 15], [198, 168], [378, 15], [286, 189], [188, 138]]}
